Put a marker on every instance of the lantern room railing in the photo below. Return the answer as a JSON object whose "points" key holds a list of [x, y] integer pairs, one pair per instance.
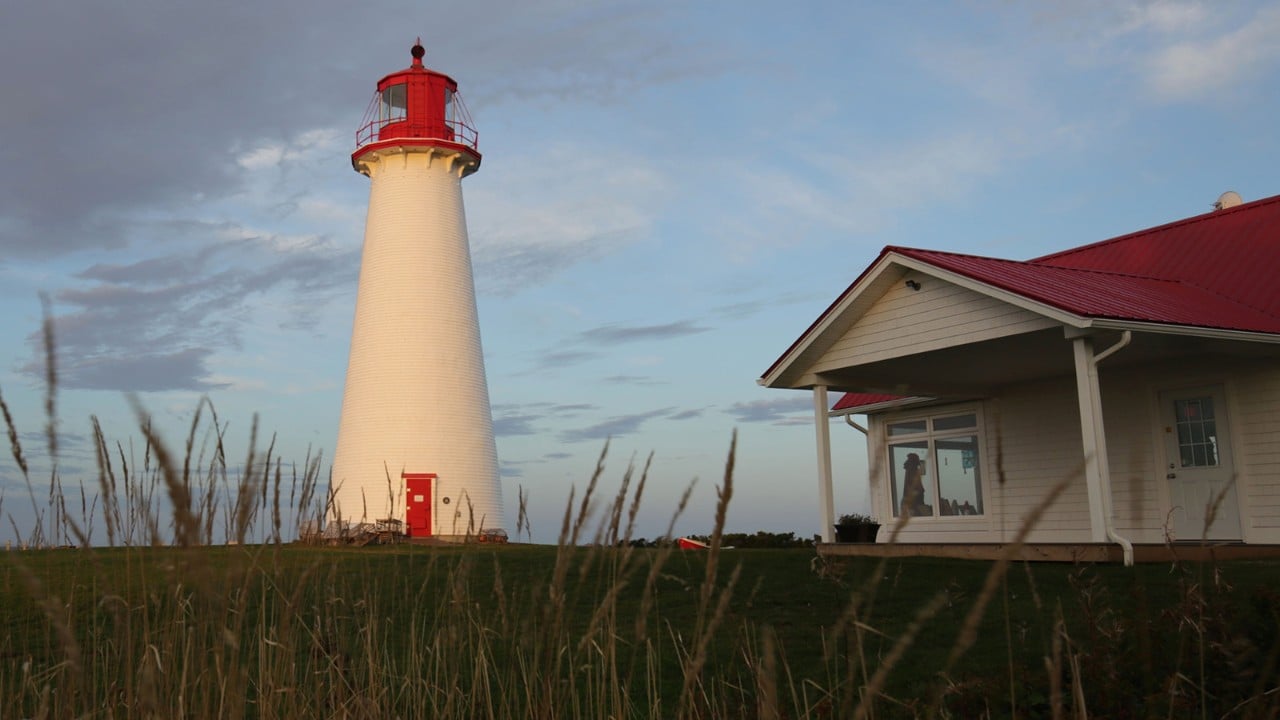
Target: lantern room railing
{"points": [[455, 131]]}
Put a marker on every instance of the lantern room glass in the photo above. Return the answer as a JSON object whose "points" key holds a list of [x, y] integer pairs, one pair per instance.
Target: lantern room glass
{"points": [[394, 104]]}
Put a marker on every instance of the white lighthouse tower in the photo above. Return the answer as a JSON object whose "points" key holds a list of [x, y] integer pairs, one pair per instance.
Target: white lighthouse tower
{"points": [[415, 441]]}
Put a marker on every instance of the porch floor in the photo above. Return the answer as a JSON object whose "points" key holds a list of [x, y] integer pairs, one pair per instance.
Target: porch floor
{"points": [[1059, 552]]}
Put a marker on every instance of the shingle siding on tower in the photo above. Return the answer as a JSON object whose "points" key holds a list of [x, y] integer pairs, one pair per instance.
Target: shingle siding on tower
{"points": [[416, 398]]}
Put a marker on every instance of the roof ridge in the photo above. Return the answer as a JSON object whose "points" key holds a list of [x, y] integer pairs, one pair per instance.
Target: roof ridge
{"points": [[1212, 214]]}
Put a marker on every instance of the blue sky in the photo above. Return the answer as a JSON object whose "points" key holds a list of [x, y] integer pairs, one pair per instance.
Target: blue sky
{"points": [[671, 192]]}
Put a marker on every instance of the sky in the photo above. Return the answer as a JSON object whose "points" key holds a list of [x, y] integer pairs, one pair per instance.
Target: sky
{"points": [[671, 192]]}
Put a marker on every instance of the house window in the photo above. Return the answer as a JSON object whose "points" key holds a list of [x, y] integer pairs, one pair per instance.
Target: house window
{"points": [[934, 466], [1197, 432]]}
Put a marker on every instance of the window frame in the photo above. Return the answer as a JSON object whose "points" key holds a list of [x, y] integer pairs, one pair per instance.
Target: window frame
{"points": [[933, 491]]}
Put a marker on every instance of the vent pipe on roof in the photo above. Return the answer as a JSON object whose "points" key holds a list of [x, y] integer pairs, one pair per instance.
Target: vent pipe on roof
{"points": [[1228, 199]]}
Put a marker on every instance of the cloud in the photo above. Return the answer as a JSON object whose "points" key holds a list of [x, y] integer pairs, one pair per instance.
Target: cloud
{"points": [[512, 425], [631, 380], [154, 324], [564, 358], [534, 216], [152, 271], [143, 117], [615, 333], [571, 409], [858, 189], [149, 115], [180, 370], [779, 411], [687, 414], [569, 50], [1163, 17], [1194, 69], [514, 419], [617, 426]]}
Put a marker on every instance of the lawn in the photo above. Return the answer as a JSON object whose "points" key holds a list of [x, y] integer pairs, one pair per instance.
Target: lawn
{"points": [[294, 631]]}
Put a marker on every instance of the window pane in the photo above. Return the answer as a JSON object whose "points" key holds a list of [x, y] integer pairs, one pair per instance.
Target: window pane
{"points": [[910, 427], [1184, 434], [959, 478], [1197, 432], [394, 103], [955, 422], [908, 472]]}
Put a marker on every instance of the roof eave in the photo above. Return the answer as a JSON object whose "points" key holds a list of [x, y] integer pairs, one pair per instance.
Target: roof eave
{"points": [[773, 376], [1188, 330], [886, 405]]}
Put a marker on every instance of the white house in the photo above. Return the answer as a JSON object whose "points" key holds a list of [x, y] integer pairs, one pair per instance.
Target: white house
{"points": [[1144, 369]]}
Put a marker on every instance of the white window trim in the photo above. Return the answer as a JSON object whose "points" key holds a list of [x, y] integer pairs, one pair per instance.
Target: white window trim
{"points": [[930, 413]]}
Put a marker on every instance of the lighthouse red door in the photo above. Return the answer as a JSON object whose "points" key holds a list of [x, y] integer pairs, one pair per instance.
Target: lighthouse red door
{"points": [[417, 503]]}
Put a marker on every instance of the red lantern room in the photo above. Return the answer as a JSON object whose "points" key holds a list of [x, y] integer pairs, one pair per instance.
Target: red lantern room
{"points": [[416, 106]]}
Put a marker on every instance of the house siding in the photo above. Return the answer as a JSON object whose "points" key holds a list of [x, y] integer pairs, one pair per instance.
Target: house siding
{"points": [[1257, 433], [1032, 441], [939, 315]]}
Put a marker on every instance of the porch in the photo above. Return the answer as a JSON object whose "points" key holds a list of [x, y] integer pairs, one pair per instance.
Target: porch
{"points": [[1059, 552]]}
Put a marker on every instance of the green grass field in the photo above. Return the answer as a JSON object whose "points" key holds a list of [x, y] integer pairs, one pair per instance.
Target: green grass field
{"points": [[165, 623], [533, 631]]}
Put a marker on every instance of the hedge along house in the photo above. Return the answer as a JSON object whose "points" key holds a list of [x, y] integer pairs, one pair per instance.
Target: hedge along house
{"points": [[1145, 368]]}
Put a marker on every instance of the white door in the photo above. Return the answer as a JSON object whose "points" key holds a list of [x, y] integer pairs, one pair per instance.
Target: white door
{"points": [[1198, 464]]}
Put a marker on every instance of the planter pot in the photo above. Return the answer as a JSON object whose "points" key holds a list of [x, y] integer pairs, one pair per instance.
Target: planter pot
{"points": [[861, 533]]}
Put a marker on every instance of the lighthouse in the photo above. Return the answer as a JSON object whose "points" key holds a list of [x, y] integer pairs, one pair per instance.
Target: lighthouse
{"points": [[415, 439]]}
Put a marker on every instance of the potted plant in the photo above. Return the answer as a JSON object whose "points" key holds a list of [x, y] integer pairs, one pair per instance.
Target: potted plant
{"points": [[857, 528]]}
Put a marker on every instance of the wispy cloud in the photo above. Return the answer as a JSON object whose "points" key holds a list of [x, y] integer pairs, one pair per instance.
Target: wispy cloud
{"points": [[556, 359], [617, 426], [512, 425], [778, 411], [631, 380], [1196, 68], [617, 333], [538, 215], [154, 324], [513, 419]]}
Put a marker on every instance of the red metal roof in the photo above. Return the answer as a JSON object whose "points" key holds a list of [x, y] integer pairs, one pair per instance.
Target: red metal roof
{"points": [[1116, 295], [1219, 270], [856, 400], [1233, 253]]}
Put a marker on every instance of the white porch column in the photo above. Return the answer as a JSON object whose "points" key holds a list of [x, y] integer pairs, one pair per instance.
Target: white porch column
{"points": [[822, 432], [1097, 472]]}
